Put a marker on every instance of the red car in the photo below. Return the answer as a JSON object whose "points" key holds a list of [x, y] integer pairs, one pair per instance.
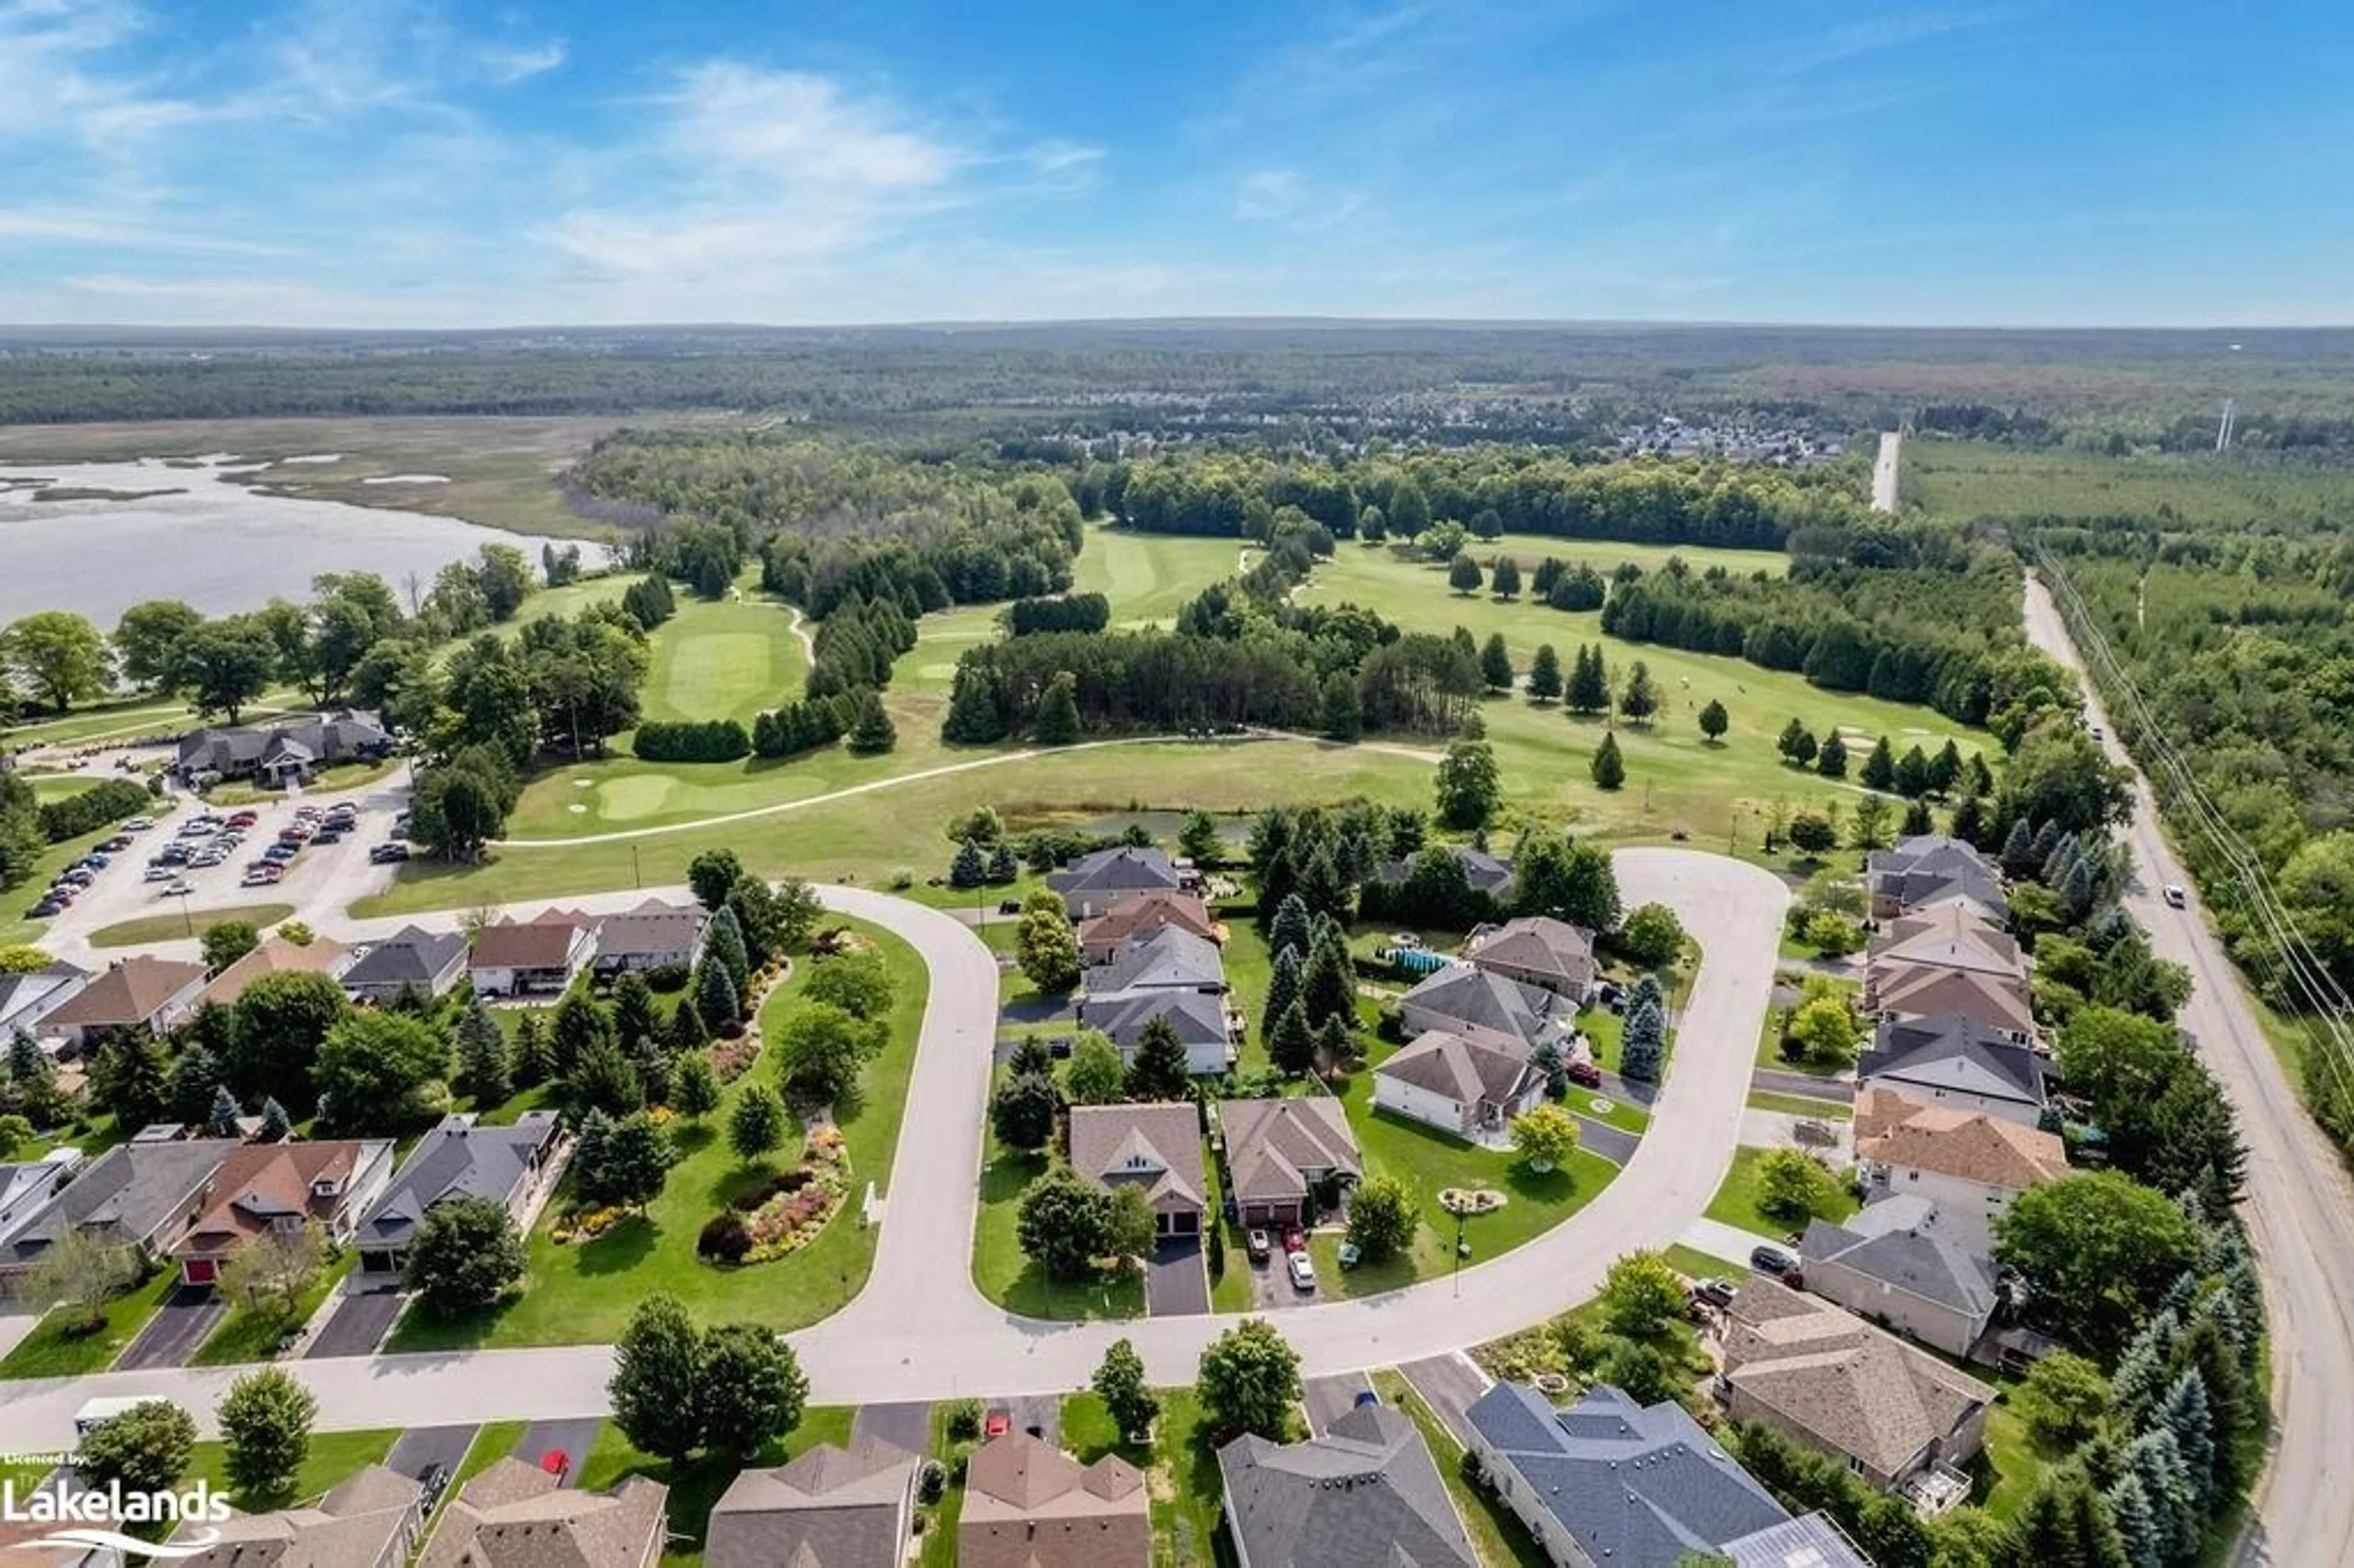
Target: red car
{"points": [[1585, 1074], [997, 1422], [1295, 1240]]}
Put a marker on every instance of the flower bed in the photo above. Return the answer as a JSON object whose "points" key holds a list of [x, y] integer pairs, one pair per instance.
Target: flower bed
{"points": [[581, 1225], [731, 1059], [784, 1214]]}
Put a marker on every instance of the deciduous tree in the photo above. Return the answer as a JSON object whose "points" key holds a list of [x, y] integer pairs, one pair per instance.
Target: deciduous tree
{"points": [[1248, 1381]]}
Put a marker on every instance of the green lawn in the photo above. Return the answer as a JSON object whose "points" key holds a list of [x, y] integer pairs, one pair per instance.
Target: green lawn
{"points": [[1009, 1279], [1735, 1203], [723, 659], [1428, 1162], [1148, 576], [1769, 1044], [334, 1457], [1597, 1107], [2011, 1457], [697, 1484], [936, 1546], [1800, 1104], [1497, 1537], [54, 1349], [583, 1293], [1694, 1263], [248, 1336], [1188, 1496], [177, 924]]}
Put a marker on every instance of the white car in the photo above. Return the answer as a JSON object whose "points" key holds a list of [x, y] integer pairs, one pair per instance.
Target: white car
{"points": [[2176, 897], [179, 888], [1302, 1269]]}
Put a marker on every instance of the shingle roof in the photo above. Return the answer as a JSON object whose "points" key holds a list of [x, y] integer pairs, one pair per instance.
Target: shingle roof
{"points": [[1367, 1492], [1026, 1503], [1957, 1054], [27, 992], [131, 991], [1537, 943], [354, 1526], [545, 943], [1811, 1541], [1465, 994], [260, 1183], [133, 1192], [1198, 1017], [1948, 935], [1938, 852], [411, 956], [1465, 1068], [1480, 869], [1168, 957], [653, 929], [515, 1515], [1896, 1241], [1858, 1390], [829, 1508], [1135, 913], [1125, 868], [458, 1159], [1921, 991], [1270, 1144], [1636, 1486], [1156, 1146], [1970, 1145], [274, 954]]}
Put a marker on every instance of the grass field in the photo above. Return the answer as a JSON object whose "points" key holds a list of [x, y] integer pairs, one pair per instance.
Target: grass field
{"points": [[1735, 1203], [334, 1457], [1148, 576], [57, 1346], [177, 924], [723, 659], [1800, 1104], [583, 1293], [1963, 480], [1009, 1279]]}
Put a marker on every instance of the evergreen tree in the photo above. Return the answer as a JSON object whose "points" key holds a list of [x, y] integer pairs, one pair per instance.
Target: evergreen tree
{"points": [[1544, 674], [724, 939], [1946, 768], [2065, 1524], [1797, 743], [1589, 682], [2138, 1526], [1643, 1042], [1496, 663], [715, 997], [969, 868], [871, 731], [1609, 769], [1917, 818], [485, 1067], [1504, 581], [694, 1088], [1969, 823], [1880, 768], [635, 1018], [2157, 1463], [1345, 708], [1463, 574], [1292, 928], [581, 1024], [222, 1118], [1336, 1040], [973, 718], [1978, 779], [533, 1062], [1291, 1044], [1547, 1059], [2184, 1411], [1057, 719], [1715, 721], [1328, 985], [1158, 1071], [1830, 758], [1003, 866], [276, 1124], [189, 1086], [756, 1124], [1912, 774], [604, 1078], [1283, 987], [2018, 845], [1639, 699]]}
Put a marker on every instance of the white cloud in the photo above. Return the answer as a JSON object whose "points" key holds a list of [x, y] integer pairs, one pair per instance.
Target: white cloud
{"points": [[97, 229], [508, 65], [1287, 196]]}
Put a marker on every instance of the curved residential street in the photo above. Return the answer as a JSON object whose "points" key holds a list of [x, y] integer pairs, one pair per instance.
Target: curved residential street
{"points": [[921, 1330], [2300, 1208]]}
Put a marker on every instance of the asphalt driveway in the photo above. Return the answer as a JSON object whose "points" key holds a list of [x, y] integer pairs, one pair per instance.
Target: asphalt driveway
{"points": [[906, 1426], [358, 1324], [1329, 1398], [1450, 1384], [173, 1334], [425, 1450], [1615, 1144], [571, 1437], [1176, 1281]]}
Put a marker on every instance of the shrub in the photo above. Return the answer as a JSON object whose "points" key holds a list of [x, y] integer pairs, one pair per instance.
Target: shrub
{"points": [[668, 976], [964, 1420], [706, 740], [724, 1239], [93, 809]]}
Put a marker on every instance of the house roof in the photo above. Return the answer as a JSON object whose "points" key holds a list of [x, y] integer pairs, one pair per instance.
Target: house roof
{"points": [[1466, 994], [829, 1508], [1156, 1145], [354, 1526], [1271, 1144], [1950, 934], [1635, 1485], [1135, 913], [1897, 1243], [1931, 867], [24, 993], [1480, 869], [1466, 1068], [458, 1159], [275, 956], [653, 929], [131, 1192], [1198, 1017], [1366, 1492], [515, 1515], [1856, 1390], [411, 956], [1538, 944], [1028, 1503], [1921, 991], [129, 991], [261, 1183], [1957, 1054], [1167, 957], [545, 942], [1811, 1540], [1125, 868], [1970, 1145], [1940, 852]]}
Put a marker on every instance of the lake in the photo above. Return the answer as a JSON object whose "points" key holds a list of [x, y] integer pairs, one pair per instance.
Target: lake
{"points": [[210, 540]]}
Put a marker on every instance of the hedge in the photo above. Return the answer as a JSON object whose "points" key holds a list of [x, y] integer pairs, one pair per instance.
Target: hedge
{"points": [[93, 809], [709, 740]]}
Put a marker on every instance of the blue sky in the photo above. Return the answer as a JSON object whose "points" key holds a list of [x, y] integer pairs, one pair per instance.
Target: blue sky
{"points": [[826, 160]]}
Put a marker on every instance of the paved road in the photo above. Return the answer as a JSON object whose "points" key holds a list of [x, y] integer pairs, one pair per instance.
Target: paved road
{"points": [[1613, 1143], [921, 1330], [2300, 1208], [1883, 471], [170, 1336]]}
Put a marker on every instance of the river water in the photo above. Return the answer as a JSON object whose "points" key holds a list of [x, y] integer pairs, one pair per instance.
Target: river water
{"points": [[215, 542]]}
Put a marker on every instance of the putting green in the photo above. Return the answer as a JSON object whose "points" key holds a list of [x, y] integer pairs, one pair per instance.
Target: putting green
{"points": [[634, 798]]}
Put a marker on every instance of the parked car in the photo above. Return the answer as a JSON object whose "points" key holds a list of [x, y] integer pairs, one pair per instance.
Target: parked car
{"points": [[1585, 1075], [79, 876], [385, 854], [1302, 1269], [1295, 1242], [2176, 897], [43, 909], [162, 873], [997, 1422], [1717, 1293], [1773, 1259], [1257, 1245], [280, 853], [96, 861], [116, 844], [179, 887], [138, 824], [244, 819]]}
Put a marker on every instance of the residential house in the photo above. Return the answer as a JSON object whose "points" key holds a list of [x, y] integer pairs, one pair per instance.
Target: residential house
{"points": [[1166, 960], [31, 1186], [1894, 1265], [1537, 950], [27, 1000], [1466, 1084], [369, 1520], [1200, 1017], [1610, 1483], [829, 1508], [1929, 868], [275, 955], [515, 1515], [411, 959], [1029, 1505], [1483, 871], [652, 935], [1155, 1146], [1466, 998], [1947, 959], [1136, 915], [141, 992], [460, 1158], [538, 956], [141, 1196], [283, 752], [1949, 935], [1280, 1153], [265, 1187], [1093, 883], [1826, 1378], [1969, 1163], [1367, 1492], [1952, 1060]]}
